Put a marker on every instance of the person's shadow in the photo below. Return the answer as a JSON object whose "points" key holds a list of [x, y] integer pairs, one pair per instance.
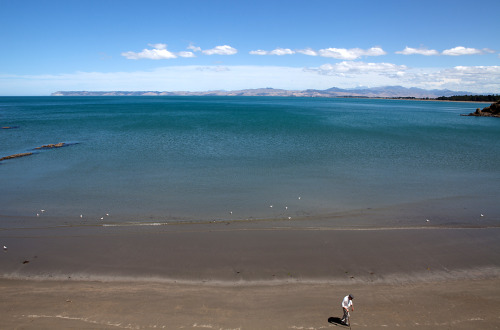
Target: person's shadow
{"points": [[336, 321]]}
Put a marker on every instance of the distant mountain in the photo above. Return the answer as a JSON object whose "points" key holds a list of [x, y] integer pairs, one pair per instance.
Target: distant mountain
{"points": [[376, 92]]}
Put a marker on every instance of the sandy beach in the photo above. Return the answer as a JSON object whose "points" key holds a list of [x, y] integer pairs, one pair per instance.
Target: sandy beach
{"points": [[465, 304], [249, 276]]}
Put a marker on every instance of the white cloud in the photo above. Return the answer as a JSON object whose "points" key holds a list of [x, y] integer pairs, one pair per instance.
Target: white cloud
{"points": [[221, 50], [259, 52], [158, 46], [282, 51], [308, 51], [457, 51], [277, 51], [159, 52], [186, 54], [338, 53], [419, 51], [194, 48], [350, 54], [356, 68], [467, 78]]}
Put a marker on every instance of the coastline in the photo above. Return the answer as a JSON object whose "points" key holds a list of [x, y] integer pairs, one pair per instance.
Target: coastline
{"points": [[249, 276]]}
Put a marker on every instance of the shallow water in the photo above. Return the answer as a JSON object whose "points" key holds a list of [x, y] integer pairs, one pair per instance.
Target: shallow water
{"points": [[171, 159]]}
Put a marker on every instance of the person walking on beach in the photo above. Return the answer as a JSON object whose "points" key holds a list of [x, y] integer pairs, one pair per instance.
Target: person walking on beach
{"points": [[346, 303]]}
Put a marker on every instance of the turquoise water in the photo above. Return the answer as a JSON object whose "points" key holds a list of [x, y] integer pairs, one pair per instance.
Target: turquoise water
{"points": [[167, 159]]}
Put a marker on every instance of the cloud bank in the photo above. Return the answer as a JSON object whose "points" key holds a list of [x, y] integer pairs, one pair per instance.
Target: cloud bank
{"points": [[160, 52], [456, 51], [346, 74], [337, 53]]}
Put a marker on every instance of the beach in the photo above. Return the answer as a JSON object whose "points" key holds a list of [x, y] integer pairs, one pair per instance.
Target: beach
{"points": [[465, 304], [256, 275]]}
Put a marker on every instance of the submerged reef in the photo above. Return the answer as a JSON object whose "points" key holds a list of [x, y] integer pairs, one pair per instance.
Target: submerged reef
{"points": [[46, 146]]}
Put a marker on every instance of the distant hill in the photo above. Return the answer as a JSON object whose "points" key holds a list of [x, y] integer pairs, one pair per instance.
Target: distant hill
{"points": [[377, 92]]}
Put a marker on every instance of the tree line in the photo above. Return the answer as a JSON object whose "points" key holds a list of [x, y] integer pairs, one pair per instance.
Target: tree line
{"points": [[474, 98]]}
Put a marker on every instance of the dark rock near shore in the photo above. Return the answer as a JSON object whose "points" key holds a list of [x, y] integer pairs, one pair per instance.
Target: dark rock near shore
{"points": [[492, 111], [16, 155], [49, 146]]}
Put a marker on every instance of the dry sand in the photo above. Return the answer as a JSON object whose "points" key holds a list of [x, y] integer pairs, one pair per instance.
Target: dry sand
{"points": [[249, 276], [471, 304]]}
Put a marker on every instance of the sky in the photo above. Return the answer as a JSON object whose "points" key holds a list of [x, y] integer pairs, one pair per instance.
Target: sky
{"points": [[200, 45]]}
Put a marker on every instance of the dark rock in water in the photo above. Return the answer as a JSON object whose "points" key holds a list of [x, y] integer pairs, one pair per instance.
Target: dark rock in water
{"points": [[10, 127], [48, 146], [16, 156], [492, 111]]}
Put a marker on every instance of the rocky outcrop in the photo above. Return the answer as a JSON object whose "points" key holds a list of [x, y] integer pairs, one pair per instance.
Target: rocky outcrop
{"points": [[16, 156], [46, 146], [492, 111], [49, 146]]}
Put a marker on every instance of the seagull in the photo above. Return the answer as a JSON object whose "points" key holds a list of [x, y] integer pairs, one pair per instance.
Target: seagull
{"points": [[107, 214], [102, 218], [42, 211], [427, 220], [289, 218], [4, 248], [37, 215], [482, 215], [270, 206], [81, 215], [299, 197], [286, 207], [231, 212]]}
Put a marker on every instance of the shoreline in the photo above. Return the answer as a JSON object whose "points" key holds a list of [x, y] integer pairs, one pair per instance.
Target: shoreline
{"points": [[247, 252], [249, 276]]}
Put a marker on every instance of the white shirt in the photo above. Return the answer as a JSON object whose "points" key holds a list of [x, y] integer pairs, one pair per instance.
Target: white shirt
{"points": [[346, 303]]}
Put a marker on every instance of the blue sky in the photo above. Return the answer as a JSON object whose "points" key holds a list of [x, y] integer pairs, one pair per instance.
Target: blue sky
{"points": [[48, 46]]}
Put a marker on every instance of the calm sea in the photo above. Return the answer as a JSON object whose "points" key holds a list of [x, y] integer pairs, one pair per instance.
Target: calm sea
{"points": [[168, 159]]}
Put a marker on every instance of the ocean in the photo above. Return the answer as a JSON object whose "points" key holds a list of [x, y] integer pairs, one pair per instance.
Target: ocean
{"points": [[322, 161]]}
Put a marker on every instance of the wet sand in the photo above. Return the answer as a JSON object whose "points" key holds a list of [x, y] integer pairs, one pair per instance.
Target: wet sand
{"points": [[249, 276]]}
